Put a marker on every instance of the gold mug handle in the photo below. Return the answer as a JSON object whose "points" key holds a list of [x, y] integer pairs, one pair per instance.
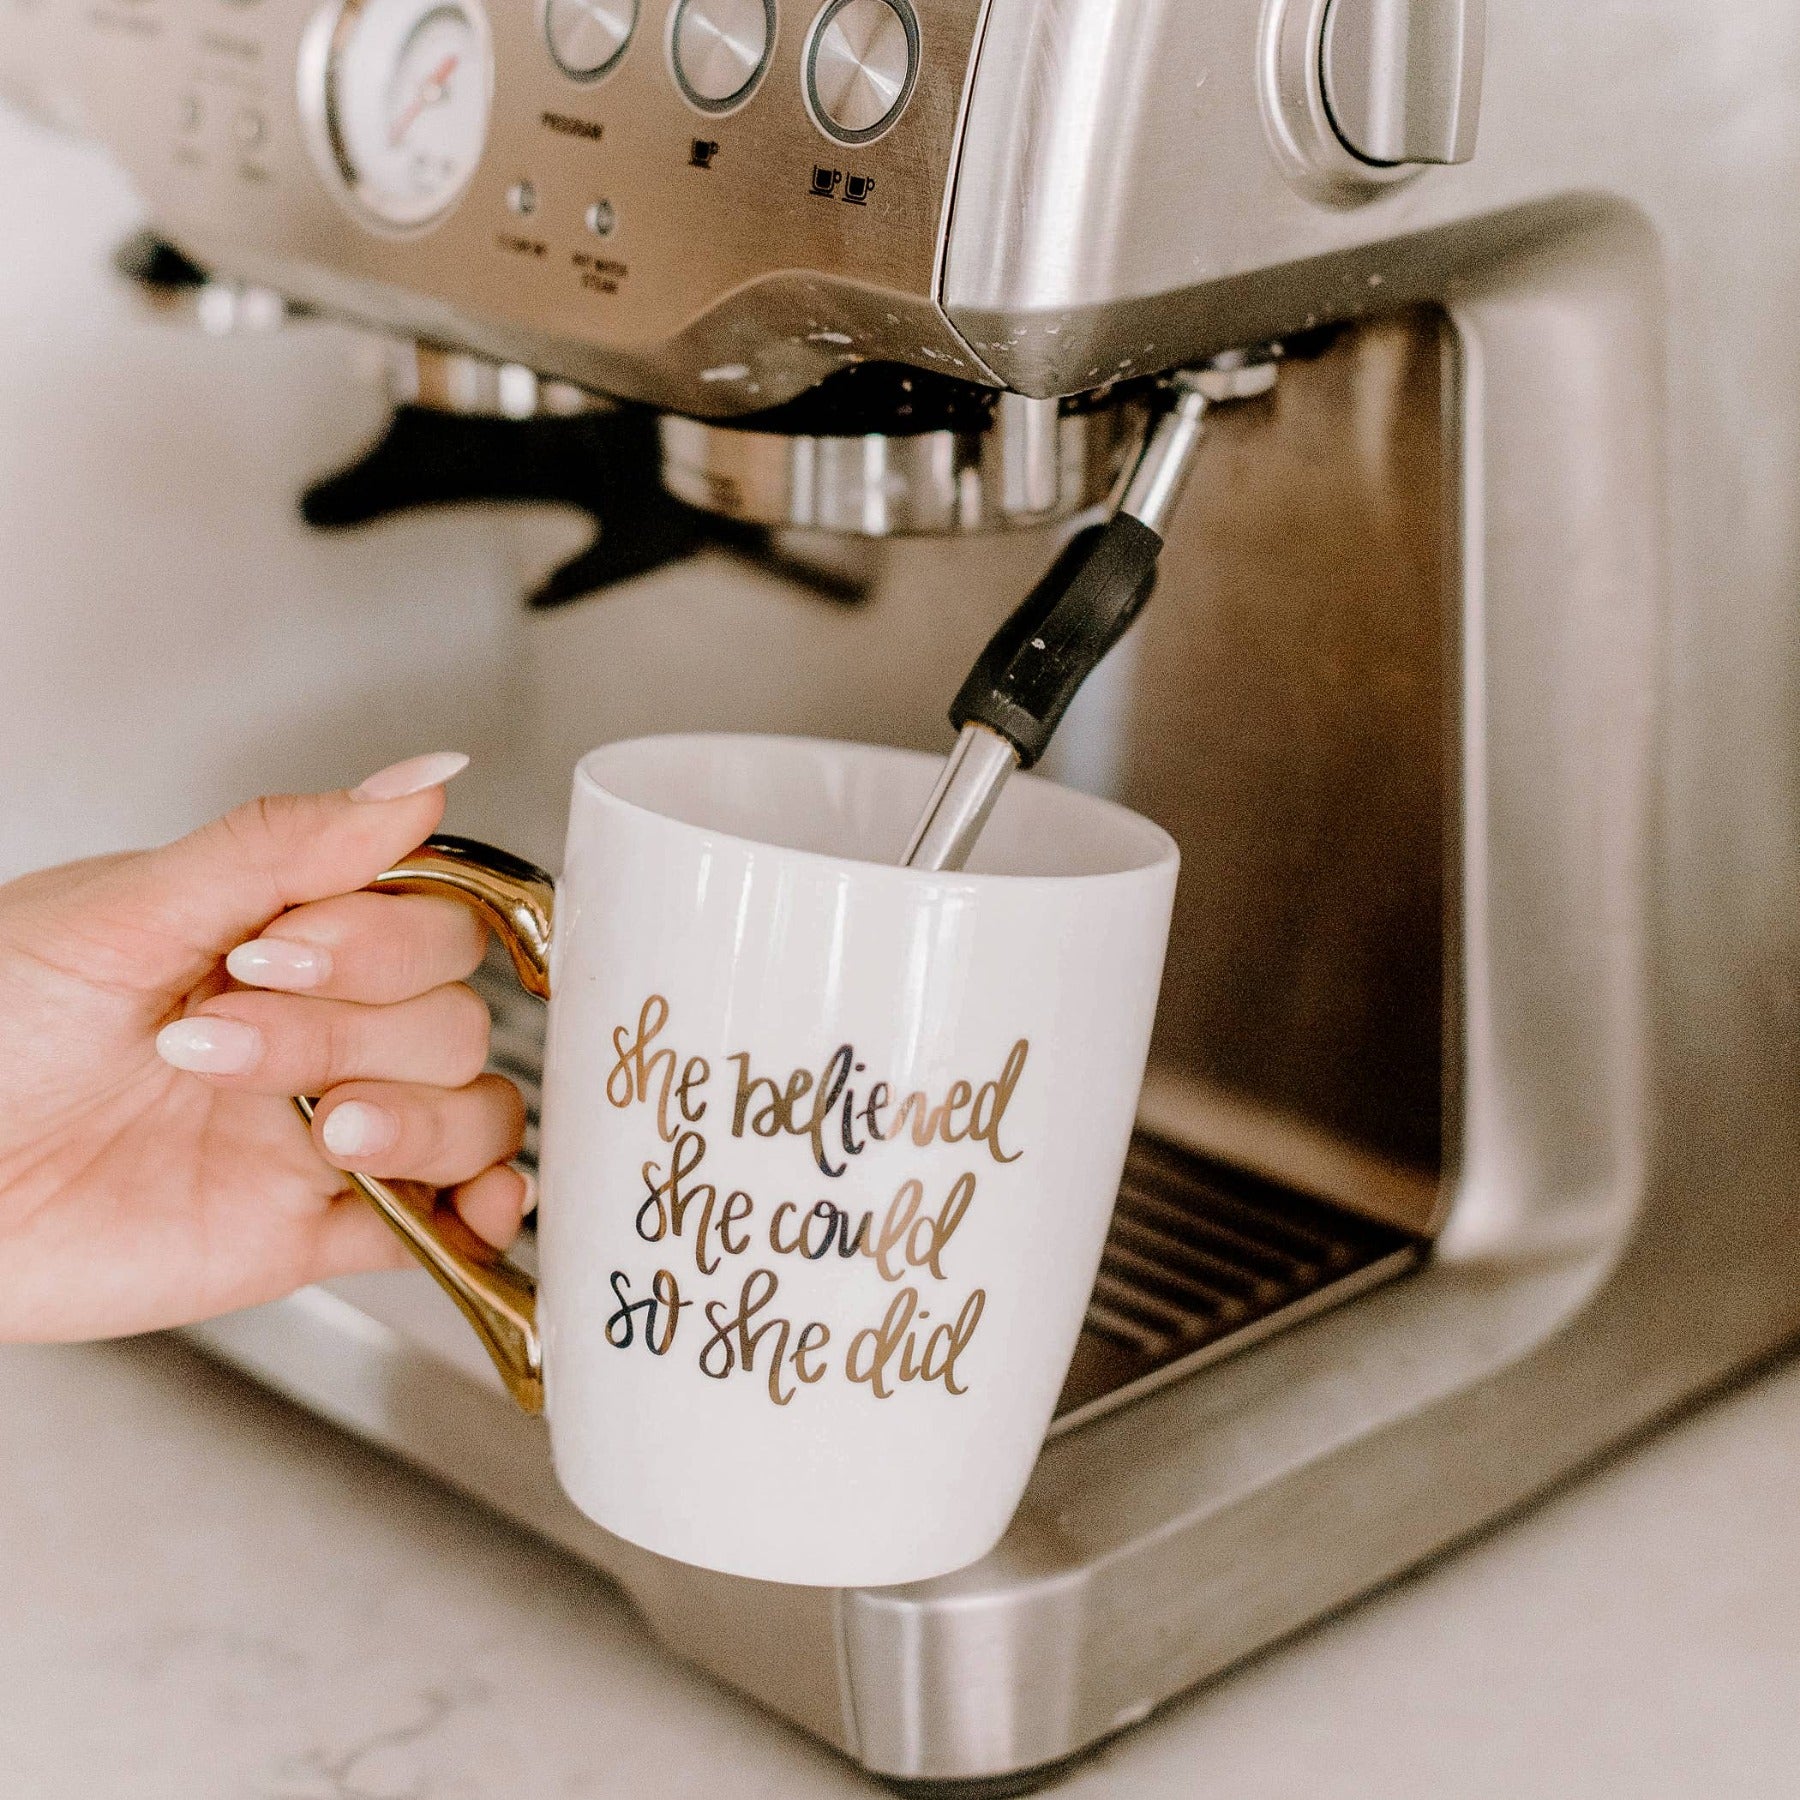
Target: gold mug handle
{"points": [[516, 899]]}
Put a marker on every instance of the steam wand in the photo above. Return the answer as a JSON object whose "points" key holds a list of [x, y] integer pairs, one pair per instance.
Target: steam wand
{"points": [[1033, 667]]}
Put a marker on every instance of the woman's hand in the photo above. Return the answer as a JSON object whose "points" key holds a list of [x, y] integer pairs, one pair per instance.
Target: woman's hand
{"points": [[152, 1171]]}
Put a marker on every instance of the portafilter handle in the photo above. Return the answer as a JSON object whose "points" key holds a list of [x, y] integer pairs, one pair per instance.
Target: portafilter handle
{"points": [[1008, 709]]}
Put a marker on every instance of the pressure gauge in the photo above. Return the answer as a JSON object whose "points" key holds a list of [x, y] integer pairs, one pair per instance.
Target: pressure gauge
{"points": [[403, 90]]}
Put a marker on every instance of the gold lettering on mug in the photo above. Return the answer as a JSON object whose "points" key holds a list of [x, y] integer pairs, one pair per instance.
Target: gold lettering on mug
{"points": [[767, 1107], [825, 1228], [893, 1350], [667, 1203], [907, 1240], [637, 1069], [903, 1239], [923, 1335], [777, 1107], [657, 1314], [735, 1345]]}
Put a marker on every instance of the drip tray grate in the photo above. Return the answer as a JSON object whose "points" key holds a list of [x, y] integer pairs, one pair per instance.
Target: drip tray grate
{"points": [[1205, 1259]]}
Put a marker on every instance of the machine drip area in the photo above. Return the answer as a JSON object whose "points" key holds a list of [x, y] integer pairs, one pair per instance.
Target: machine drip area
{"points": [[1283, 709], [1203, 1258]]}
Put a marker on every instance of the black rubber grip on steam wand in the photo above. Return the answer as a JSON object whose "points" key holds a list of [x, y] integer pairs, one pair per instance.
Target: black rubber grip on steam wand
{"points": [[1034, 665]]}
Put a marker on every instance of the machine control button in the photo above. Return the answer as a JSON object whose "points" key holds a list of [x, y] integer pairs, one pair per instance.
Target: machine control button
{"points": [[719, 49], [1402, 78], [860, 67], [587, 37]]}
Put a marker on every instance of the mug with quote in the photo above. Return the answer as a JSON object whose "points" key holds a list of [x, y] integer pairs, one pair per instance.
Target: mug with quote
{"points": [[829, 1149]]}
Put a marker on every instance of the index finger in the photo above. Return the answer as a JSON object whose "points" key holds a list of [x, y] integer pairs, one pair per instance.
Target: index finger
{"points": [[372, 948]]}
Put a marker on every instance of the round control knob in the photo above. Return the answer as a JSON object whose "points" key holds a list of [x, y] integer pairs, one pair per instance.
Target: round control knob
{"points": [[861, 66], [719, 49], [587, 37]]}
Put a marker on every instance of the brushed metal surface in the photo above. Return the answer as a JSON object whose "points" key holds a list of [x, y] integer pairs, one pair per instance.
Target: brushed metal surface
{"points": [[860, 66], [452, 381], [1403, 77], [587, 37], [1303, 132], [1079, 250], [974, 773], [1160, 477], [1284, 709], [718, 48], [1031, 467], [1205, 1262], [726, 285]]}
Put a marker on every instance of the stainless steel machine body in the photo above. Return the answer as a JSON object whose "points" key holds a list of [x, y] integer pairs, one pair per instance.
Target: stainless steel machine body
{"points": [[1472, 705]]}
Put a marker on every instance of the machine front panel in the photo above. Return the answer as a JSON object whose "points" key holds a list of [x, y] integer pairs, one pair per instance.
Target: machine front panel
{"points": [[748, 196]]}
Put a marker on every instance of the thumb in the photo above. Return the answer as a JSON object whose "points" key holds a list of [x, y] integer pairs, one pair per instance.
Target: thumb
{"points": [[185, 905]]}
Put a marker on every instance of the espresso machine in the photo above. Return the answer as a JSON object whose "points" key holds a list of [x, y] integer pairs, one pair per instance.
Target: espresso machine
{"points": [[1470, 1144]]}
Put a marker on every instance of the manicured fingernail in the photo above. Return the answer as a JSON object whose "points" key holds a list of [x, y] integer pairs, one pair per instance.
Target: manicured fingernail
{"points": [[531, 1192], [276, 963], [359, 1129], [210, 1046], [413, 776]]}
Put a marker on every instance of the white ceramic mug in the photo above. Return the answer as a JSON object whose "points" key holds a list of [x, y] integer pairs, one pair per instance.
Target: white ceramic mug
{"points": [[829, 1146]]}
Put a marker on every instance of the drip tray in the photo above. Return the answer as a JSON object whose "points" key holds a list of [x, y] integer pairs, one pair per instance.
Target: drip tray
{"points": [[1204, 1258]]}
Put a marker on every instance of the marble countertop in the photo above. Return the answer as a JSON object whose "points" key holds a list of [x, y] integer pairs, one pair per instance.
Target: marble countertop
{"points": [[208, 1595]]}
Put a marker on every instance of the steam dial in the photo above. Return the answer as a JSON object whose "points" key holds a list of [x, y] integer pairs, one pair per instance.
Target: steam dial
{"points": [[860, 67], [587, 37], [405, 106], [718, 50]]}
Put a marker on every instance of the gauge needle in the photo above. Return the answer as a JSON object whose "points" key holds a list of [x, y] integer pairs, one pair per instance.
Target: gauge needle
{"points": [[434, 88]]}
